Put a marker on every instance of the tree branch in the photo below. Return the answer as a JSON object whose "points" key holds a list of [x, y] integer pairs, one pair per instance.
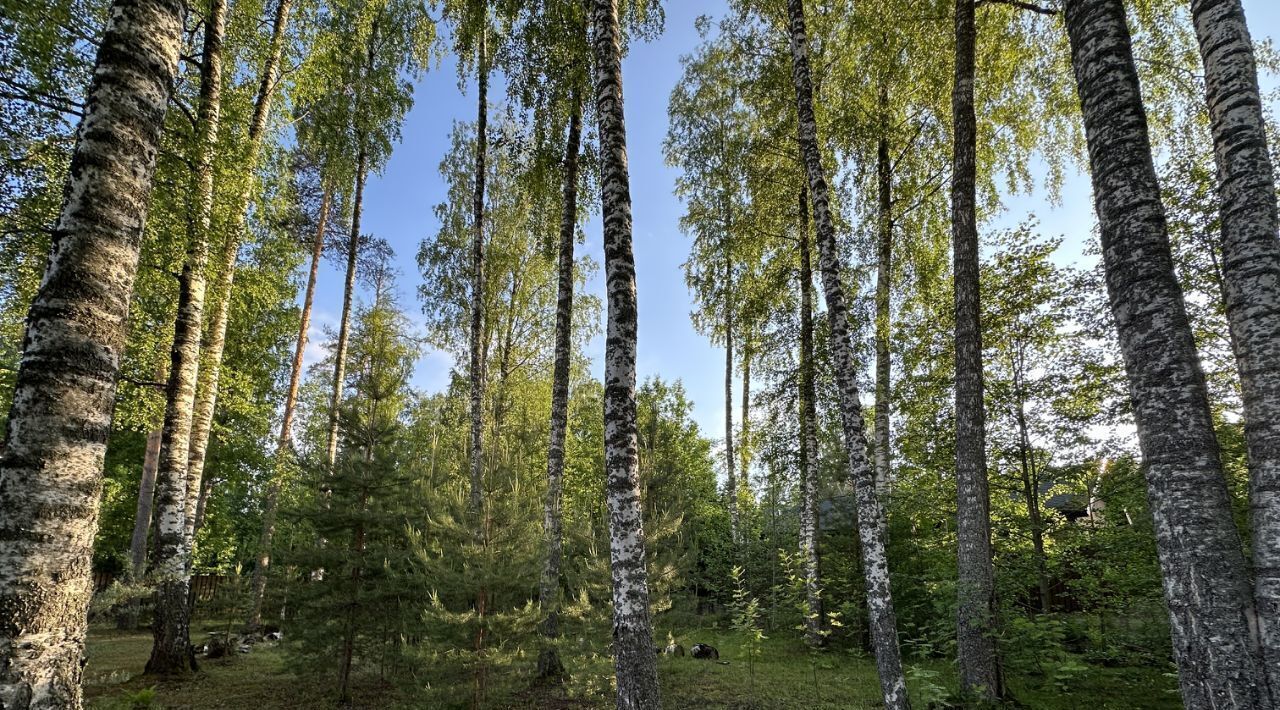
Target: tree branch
{"points": [[1032, 7]]}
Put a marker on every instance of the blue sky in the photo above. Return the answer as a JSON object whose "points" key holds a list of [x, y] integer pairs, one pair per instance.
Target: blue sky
{"points": [[399, 202]]}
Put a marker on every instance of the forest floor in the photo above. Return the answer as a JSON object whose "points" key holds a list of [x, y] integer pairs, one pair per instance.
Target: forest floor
{"points": [[783, 675]]}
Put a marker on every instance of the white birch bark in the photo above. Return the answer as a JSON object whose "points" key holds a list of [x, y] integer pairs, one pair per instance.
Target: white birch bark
{"points": [[216, 326], [549, 664], [871, 524], [170, 652], [635, 664], [1251, 271], [51, 469], [809, 454], [1206, 587], [477, 369]]}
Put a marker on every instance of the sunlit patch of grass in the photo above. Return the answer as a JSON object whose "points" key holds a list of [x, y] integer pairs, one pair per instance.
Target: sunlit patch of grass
{"points": [[784, 676]]}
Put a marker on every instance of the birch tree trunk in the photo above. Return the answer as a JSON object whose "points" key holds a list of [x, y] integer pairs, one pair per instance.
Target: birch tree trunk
{"points": [[216, 326], [731, 481], [635, 664], [1251, 270], [744, 440], [549, 664], [171, 645], [1206, 587], [808, 437], [477, 285], [284, 442], [884, 273], [51, 469], [871, 525], [975, 585]]}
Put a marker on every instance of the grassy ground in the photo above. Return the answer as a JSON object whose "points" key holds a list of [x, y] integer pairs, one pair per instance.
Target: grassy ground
{"points": [[784, 676]]}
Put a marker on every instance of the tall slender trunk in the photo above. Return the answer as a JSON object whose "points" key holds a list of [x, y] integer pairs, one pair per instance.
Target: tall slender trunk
{"points": [[1206, 586], [477, 285], [202, 504], [871, 524], [146, 499], [1030, 483], [1251, 266], [216, 327], [549, 664], [344, 325], [60, 417], [634, 663], [171, 647], [884, 274], [284, 441], [735, 520], [808, 437], [128, 618], [975, 585], [744, 441]]}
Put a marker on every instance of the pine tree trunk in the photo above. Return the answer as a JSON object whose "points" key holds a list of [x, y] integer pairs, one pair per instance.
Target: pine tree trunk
{"points": [[731, 477], [477, 287], [871, 524], [284, 442], [975, 586], [1205, 582], [809, 455], [51, 469], [1251, 266], [216, 326], [635, 665], [884, 266], [171, 649], [549, 664]]}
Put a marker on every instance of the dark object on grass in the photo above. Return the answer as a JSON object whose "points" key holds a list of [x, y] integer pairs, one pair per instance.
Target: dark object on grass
{"points": [[218, 646], [702, 650], [673, 649]]}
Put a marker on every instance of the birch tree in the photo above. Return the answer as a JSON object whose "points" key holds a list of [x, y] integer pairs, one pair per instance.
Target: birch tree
{"points": [[51, 470], [1196, 539], [871, 525], [1251, 276], [171, 652], [633, 659]]}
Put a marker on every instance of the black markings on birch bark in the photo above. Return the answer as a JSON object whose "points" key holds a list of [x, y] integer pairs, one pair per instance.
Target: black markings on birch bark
{"points": [[1206, 588], [51, 469], [549, 664], [871, 524], [170, 561], [809, 455], [731, 481], [477, 369], [635, 665], [1251, 271], [884, 274], [975, 584]]}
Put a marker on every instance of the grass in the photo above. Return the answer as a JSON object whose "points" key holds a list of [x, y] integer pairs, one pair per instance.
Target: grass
{"points": [[784, 676]]}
